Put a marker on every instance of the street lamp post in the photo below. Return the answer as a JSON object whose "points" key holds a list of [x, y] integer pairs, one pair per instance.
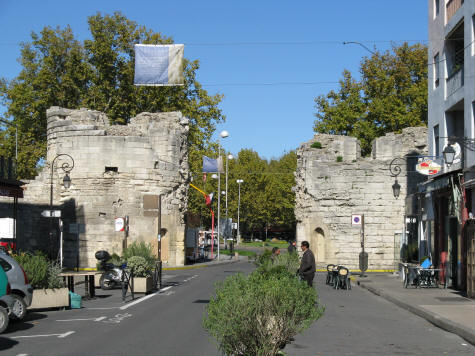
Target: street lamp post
{"points": [[230, 156], [223, 134], [239, 181], [66, 168]]}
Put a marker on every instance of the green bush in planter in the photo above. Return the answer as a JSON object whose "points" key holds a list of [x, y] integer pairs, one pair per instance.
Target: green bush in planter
{"points": [[139, 266], [36, 268], [40, 271], [259, 314], [139, 249]]}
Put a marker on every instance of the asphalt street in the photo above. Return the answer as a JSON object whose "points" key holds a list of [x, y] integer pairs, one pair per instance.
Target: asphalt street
{"points": [[170, 323]]}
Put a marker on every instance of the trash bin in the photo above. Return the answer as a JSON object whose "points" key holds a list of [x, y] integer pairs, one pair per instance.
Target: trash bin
{"points": [[75, 300]]}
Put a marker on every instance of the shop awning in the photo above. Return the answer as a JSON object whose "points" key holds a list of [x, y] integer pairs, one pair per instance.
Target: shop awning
{"points": [[434, 185]]}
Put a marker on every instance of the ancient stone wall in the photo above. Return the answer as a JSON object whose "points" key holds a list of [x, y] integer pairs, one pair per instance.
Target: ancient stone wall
{"points": [[334, 181], [118, 171]]}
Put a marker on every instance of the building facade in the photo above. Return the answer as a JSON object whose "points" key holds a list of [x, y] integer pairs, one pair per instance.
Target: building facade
{"points": [[451, 106]]}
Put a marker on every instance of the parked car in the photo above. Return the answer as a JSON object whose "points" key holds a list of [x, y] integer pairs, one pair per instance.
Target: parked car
{"points": [[6, 301], [21, 290]]}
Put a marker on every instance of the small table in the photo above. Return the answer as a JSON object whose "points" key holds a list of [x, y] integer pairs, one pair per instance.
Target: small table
{"points": [[89, 283]]}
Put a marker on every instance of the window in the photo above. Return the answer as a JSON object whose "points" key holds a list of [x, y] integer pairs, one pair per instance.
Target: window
{"points": [[436, 70], [436, 141], [437, 7], [111, 169]]}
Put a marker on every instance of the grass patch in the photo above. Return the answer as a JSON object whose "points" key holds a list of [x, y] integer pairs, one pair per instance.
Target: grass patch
{"points": [[241, 252], [279, 244]]}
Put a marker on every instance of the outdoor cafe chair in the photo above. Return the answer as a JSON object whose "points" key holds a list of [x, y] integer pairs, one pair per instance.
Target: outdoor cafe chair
{"points": [[343, 278], [330, 275]]}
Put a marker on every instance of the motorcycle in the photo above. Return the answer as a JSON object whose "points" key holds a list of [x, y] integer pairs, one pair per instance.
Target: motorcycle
{"points": [[112, 274]]}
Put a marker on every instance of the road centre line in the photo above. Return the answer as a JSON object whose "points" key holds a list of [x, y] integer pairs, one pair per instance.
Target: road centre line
{"points": [[61, 336]]}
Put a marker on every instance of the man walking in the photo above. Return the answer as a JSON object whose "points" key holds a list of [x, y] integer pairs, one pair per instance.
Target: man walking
{"points": [[291, 248], [307, 265]]}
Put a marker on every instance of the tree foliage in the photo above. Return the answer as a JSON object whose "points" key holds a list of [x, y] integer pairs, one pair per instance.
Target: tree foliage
{"points": [[97, 73], [391, 95], [267, 199]]}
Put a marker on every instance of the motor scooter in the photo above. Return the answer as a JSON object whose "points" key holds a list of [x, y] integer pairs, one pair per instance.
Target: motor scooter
{"points": [[112, 274]]}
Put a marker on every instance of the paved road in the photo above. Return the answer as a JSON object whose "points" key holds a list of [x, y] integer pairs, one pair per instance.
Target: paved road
{"points": [[355, 323], [169, 323]]}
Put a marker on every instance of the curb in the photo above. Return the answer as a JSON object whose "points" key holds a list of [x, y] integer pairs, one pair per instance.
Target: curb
{"points": [[439, 321]]}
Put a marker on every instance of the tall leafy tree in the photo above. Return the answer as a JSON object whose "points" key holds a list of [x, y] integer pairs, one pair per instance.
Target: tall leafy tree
{"points": [[98, 74], [391, 95]]}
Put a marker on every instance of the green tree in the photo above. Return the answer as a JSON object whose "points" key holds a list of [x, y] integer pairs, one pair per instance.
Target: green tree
{"points": [[98, 74], [391, 95]]}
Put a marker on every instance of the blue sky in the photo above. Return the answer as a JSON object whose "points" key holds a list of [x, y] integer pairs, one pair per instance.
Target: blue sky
{"points": [[269, 58]]}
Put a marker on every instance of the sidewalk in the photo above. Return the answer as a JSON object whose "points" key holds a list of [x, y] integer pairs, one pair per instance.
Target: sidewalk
{"points": [[445, 308]]}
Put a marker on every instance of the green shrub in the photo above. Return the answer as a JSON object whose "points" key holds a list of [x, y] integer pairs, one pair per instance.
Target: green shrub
{"points": [[339, 159], [54, 279], [259, 314], [139, 249], [41, 273], [316, 145], [287, 263], [36, 268], [263, 257], [139, 266]]}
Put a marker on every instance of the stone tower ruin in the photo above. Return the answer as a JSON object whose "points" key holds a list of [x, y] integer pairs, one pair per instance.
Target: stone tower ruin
{"points": [[119, 171], [334, 181]]}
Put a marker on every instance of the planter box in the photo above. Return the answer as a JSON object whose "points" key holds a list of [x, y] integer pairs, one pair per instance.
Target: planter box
{"points": [[50, 298], [143, 284]]}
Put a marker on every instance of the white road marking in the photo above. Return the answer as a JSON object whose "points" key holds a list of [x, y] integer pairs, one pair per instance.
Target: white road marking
{"points": [[137, 301], [94, 319], [22, 355], [117, 318], [46, 335]]}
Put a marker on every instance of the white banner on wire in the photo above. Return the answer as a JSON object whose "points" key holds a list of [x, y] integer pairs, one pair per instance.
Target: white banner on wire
{"points": [[159, 65]]}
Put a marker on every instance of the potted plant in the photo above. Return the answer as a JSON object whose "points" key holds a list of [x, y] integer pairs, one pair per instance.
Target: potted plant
{"points": [[44, 276], [141, 272]]}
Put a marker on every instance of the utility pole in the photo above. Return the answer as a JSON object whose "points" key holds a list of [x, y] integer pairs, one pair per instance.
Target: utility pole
{"points": [[159, 244]]}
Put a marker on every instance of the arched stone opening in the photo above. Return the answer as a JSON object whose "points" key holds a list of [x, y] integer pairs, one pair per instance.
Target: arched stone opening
{"points": [[317, 244]]}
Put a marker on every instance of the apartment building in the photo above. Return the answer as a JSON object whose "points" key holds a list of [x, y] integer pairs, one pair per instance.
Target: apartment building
{"points": [[448, 199]]}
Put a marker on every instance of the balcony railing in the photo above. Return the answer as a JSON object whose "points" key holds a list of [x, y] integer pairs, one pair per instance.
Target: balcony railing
{"points": [[455, 82], [452, 7]]}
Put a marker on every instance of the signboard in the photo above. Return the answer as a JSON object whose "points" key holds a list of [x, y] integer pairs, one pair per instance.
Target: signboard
{"points": [[428, 167], [51, 213], [119, 224], [356, 219]]}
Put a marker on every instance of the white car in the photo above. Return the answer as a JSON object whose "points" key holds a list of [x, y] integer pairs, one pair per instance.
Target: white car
{"points": [[21, 290]]}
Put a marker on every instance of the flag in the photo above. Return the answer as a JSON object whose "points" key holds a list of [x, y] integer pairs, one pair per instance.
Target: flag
{"points": [[159, 64], [212, 165], [209, 199]]}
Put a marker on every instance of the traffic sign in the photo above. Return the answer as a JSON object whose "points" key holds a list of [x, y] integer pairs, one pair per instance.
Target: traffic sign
{"points": [[356, 219], [119, 224]]}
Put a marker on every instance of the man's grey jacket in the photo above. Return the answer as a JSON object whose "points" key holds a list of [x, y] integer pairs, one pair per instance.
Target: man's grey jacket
{"points": [[307, 265]]}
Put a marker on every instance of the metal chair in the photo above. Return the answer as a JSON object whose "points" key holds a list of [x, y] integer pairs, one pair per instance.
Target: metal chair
{"points": [[343, 279], [330, 279]]}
